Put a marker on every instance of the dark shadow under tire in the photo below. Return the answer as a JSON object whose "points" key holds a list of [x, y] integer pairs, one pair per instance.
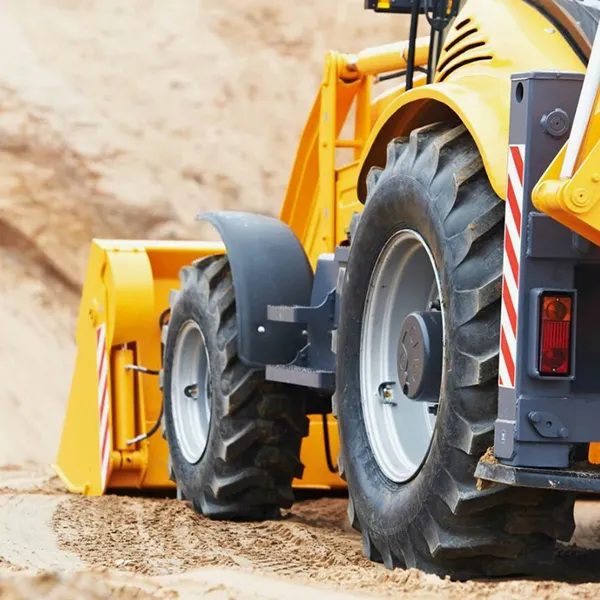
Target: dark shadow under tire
{"points": [[252, 452], [434, 183]]}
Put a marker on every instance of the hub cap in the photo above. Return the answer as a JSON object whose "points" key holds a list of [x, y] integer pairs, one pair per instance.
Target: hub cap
{"points": [[403, 287], [190, 392], [420, 355]]}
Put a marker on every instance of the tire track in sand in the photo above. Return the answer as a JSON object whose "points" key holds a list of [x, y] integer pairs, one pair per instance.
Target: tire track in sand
{"points": [[310, 545]]}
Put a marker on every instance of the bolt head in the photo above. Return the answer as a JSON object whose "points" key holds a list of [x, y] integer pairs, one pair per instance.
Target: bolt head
{"points": [[385, 394], [94, 311], [579, 197], [556, 123]]}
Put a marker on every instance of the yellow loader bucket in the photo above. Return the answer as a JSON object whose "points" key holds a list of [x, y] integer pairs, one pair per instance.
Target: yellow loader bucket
{"points": [[126, 291]]}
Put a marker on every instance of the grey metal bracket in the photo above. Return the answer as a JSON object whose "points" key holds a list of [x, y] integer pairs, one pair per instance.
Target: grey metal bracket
{"points": [[322, 313], [549, 240], [314, 364], [548, 424]]}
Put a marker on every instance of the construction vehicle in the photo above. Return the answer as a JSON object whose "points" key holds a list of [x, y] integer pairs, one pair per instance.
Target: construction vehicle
{"points": [[424, 312]]}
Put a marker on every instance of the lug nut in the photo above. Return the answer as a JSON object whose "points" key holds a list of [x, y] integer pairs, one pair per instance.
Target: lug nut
{"points": [[191, 391], [386, 394]]}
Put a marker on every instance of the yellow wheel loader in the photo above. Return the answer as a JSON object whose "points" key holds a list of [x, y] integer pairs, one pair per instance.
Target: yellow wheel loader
{"points": [[418, 325]]}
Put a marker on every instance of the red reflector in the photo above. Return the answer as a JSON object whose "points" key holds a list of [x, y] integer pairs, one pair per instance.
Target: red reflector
{"points": [[555, 335]]}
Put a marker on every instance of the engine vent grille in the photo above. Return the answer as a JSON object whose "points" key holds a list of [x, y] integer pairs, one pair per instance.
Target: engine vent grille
{"points": [[465, 47]]}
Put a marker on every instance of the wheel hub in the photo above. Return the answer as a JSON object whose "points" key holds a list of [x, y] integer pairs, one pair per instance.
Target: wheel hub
{"points": [[190, 392], [401, 355], [420, 355]]}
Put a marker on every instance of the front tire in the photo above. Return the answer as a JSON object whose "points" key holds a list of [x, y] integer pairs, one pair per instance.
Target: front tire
{"points": [[234, 439], [434, 517]]}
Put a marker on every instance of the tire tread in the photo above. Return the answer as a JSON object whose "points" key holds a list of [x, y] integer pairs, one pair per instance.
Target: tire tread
{"points": [[255, 449], [459, 529]]}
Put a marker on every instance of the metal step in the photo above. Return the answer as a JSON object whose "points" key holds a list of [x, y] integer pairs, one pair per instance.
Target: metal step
{"points": [[303, 376], [289, 314]]}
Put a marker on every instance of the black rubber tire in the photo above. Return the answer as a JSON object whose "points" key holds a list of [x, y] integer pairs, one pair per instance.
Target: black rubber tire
{"points": [[439, 521], [253, 448]]}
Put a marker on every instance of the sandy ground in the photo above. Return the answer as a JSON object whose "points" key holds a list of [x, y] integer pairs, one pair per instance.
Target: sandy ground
{"points": [[54, 546]]}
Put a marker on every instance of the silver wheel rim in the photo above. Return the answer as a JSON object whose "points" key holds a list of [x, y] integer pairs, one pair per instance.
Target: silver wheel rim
{"points": [[190, 392], [405, 279]]}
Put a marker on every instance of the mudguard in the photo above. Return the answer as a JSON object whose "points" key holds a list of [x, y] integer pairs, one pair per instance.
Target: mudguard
{"points": [[269, 267]]}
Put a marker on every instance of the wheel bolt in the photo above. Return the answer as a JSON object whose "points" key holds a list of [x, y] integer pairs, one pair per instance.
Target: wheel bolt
{"points": [[386, 393], [191, 391]]}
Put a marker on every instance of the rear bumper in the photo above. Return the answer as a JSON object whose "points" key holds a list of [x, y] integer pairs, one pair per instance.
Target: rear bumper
{"points": [[581, 477]]}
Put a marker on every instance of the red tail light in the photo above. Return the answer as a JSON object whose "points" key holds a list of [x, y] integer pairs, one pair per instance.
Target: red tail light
{"points": [[555, 334]]}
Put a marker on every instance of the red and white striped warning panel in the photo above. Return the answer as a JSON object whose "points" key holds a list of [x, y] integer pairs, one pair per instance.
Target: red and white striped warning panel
{"points": [[512, 258], [103, 403]]}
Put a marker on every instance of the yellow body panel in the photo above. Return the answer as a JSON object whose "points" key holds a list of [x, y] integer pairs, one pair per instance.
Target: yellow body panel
{"points": [[310, 206], [126, 289], [317, 475], [347, 202], [516, 38], [319, 193]]}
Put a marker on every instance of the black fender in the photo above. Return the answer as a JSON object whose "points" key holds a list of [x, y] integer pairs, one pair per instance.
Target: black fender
{"points": [[269, 267]]}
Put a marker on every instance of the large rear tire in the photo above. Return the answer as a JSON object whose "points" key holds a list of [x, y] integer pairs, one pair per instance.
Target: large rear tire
{"points": [[428, 511], [234, 439]]}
